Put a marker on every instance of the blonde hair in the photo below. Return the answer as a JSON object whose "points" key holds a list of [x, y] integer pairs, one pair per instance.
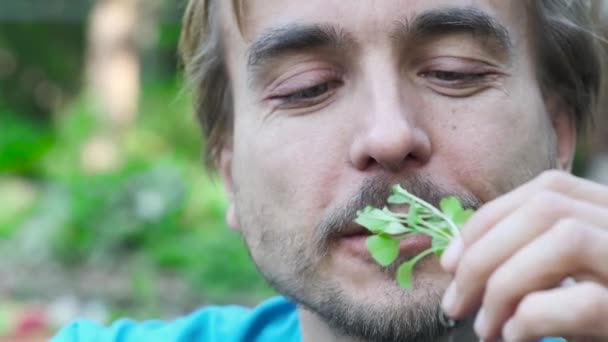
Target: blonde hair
{"points": [[570, 63]]}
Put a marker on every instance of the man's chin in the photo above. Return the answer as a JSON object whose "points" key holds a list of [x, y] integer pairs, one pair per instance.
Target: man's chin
{"points": [[376, 308], [358, 298]]}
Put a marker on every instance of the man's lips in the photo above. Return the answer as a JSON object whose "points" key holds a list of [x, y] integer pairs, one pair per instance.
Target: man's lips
{"points": [[355, 244], [353, 230]]}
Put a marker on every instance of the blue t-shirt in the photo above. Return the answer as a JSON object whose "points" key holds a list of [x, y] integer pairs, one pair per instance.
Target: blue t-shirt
{"points": [[274, 320]]}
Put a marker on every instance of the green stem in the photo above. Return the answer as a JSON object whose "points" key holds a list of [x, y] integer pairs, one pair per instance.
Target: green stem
{"points": [[434, 210], [420, 230], [406, 215], [429, 229], [422, 255], [436, 230]]}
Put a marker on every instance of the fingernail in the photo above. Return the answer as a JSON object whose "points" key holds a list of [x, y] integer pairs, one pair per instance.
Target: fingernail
{"points": [[451, 256], [481, 324], [449, 299]]}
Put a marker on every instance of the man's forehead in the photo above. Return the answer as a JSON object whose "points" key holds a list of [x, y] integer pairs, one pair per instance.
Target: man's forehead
{"points": [[363, 17]]}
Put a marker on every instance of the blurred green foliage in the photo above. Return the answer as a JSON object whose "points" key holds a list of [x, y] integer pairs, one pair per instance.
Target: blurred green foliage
{"points": [[160, 212], [44, 56], [158, 217], [23, 143]]}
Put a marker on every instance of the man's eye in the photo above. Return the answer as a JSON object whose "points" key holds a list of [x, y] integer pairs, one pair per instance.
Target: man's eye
{"points": [[459, 83], [310, 94], [454, 77]]}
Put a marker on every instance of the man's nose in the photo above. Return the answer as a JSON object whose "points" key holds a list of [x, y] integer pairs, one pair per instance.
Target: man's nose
{"points": [[390, 136]]}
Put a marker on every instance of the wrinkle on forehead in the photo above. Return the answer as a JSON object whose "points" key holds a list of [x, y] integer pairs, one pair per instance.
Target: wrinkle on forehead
{"points": [[371, 22], [257, 16]]}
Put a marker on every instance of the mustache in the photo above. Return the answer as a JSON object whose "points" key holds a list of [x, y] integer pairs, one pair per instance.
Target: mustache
{"points": [[374, 192]]}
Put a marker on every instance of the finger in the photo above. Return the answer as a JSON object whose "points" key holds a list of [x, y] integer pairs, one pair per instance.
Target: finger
{"points": [[570, 248], [510, 235], [494, 211], [578, 311]]}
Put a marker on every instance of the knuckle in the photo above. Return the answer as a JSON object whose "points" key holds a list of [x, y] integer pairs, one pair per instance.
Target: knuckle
{"points": [[592, 306], [471, 266], [527, 313], [587, 313], [498, 284], [570, 235], [554, 180], [547, 204]]}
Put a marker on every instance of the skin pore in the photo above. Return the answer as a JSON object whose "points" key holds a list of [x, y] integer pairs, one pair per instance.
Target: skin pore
{"points": [[335, 101]]}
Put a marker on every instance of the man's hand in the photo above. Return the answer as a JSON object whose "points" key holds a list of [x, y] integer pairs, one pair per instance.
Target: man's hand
{"points": [[516, 251]]}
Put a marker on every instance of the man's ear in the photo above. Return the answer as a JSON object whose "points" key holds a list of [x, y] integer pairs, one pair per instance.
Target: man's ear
{"points": [[225, 169], [564, 126]]}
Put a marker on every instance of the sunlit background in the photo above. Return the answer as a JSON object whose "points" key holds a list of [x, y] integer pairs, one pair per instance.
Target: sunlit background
{"points": [[105, 208]]}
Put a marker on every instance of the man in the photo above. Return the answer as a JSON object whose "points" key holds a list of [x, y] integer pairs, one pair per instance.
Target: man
{"points": [[313, 109]]}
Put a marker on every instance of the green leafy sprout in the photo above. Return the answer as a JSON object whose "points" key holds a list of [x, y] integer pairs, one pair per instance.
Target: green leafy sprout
{"points": [[389, 228]]}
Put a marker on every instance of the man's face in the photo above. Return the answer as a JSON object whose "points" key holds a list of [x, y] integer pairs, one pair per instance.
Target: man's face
{"points": [[337, 100]]}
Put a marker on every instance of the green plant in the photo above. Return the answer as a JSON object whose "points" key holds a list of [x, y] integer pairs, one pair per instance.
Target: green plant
{"points": [[389, 228], [23, 143]]}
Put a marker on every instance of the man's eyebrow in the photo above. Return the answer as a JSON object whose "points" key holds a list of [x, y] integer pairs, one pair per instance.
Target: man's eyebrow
{"points": [[297, 37], [436, 22]]}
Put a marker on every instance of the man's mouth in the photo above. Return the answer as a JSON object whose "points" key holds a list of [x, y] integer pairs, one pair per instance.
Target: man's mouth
{"points": [[353, 241], [353, 231]]}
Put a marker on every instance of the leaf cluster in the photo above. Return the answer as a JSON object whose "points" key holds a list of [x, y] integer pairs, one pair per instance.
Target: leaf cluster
{"points": [[389, 228]]}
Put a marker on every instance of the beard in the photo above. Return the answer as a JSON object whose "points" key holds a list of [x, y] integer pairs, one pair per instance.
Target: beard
{"points": [[305, 274], [414, 316]]}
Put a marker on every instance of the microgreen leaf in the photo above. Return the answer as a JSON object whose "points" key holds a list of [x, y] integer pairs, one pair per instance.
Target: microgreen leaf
{"points": [[461, 218], [394, 228], [422, 218], [405, 274], [439, 245], [398, 190], [450, 206], [374, 219], [383, 248], [398, 198], [412, 218]]}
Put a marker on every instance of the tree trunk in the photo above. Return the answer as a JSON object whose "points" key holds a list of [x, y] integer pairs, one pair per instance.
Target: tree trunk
{"points": [[113, 79]]}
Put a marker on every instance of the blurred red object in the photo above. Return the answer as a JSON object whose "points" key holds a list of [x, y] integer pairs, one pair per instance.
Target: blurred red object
{"points": [[30, 325]]}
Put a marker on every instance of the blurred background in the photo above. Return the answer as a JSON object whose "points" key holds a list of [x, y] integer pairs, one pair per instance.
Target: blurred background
{"points": [[105, 208]]}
